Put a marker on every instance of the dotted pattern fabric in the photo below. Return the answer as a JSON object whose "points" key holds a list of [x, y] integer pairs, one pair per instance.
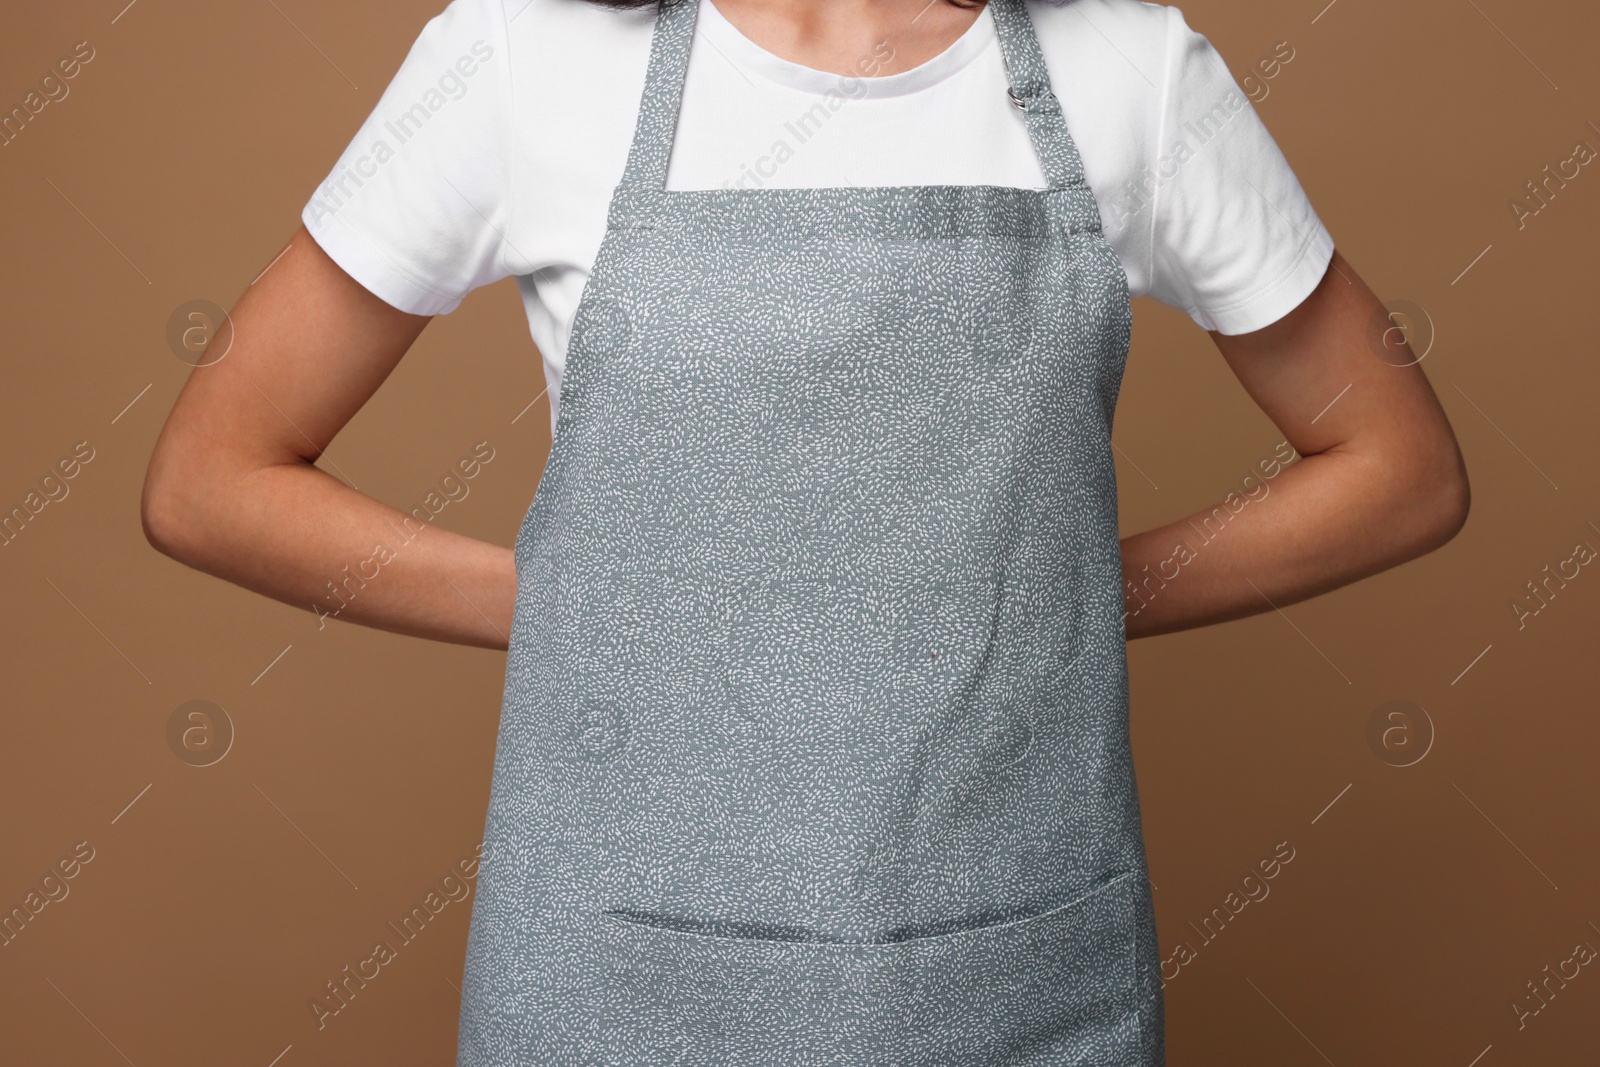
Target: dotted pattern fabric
{"points": [[814, 746]]}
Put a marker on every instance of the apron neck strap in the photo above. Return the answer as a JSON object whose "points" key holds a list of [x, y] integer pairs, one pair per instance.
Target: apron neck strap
{"points": [[1029, 90]]}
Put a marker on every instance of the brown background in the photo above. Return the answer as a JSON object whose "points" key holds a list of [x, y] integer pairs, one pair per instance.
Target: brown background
{"points": [[221, 899]]}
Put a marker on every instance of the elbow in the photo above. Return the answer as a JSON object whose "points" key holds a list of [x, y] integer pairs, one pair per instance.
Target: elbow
{"points": [[1441, 501], [165, 511], [159, 515], [1457, 508]]}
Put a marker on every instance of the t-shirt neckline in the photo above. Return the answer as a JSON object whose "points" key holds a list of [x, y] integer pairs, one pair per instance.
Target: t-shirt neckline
{"points": [[725, 37]]}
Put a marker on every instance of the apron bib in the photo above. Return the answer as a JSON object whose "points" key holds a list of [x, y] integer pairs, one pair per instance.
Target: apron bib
{"points": [[814, 745]]}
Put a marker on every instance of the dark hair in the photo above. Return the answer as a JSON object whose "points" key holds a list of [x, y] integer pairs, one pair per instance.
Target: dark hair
{"points": [[647, 3]]}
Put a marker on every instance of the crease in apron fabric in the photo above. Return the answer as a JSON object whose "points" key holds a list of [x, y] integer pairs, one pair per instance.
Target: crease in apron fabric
{"points": [[814, 745]]}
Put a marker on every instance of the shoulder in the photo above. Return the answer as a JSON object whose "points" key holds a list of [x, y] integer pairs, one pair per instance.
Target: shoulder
{"points": [[1140, 30], [578, 23], [570, 26], [1132, 16], [1112, 63], [480, 17], [1116, 55], [574, 54]]}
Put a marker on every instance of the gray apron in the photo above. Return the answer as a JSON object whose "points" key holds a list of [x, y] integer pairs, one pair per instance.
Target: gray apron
{"points": [[814, 746]]}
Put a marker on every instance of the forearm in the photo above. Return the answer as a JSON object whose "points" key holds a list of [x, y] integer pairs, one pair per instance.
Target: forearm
{"points": [[1324, 521], [295, 533]]}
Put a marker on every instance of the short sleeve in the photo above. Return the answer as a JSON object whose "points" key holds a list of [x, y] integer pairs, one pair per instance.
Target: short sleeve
{"points": [[1235, 242], [417, 205]]}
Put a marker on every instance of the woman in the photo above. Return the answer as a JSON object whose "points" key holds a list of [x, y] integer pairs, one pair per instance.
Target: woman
{"points": [[814, 744]]}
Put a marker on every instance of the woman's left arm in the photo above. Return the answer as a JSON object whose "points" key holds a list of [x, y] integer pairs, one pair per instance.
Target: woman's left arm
{"points": [[1381, 481]]}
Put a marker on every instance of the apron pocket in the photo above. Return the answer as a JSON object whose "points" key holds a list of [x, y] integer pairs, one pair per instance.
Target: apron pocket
{"points": [[1057, 987]]}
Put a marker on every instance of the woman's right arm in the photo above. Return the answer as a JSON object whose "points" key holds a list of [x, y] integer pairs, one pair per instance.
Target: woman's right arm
{"points": [[233, 490]]}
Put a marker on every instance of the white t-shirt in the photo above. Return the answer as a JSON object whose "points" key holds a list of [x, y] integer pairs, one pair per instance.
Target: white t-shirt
{"points": [[495, 149]]}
